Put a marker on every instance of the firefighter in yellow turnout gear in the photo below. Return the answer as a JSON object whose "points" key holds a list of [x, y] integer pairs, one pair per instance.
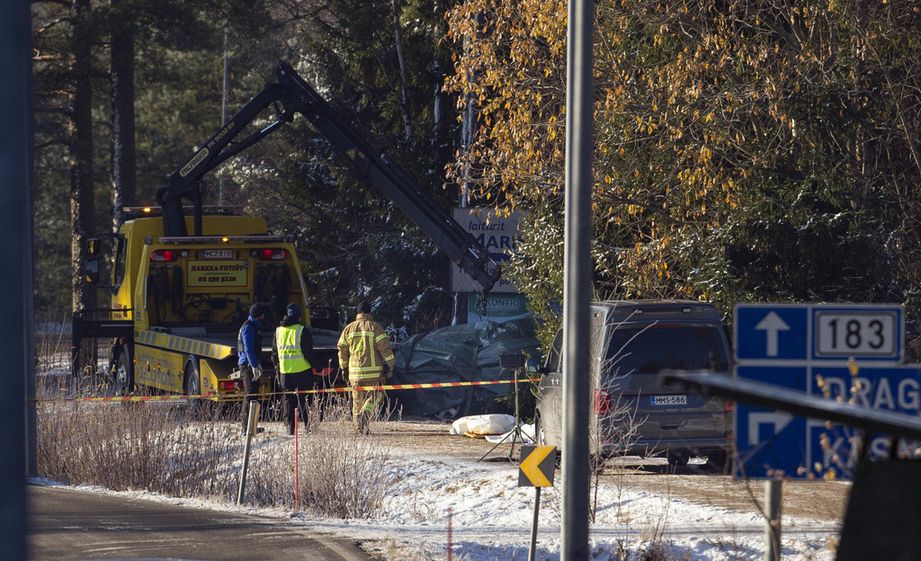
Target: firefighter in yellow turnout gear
{"points": [[365, 355], [292, 354]]}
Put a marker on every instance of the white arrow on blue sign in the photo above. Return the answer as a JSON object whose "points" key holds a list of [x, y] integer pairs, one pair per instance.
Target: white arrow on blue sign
{"points": [[771, 332], [772, 325]]}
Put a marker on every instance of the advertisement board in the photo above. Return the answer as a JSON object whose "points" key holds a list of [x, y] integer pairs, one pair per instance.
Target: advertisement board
{"points": [[498, 234]]}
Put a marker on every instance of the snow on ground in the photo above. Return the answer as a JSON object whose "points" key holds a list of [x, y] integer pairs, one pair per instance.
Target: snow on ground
{"points": [[491, 519]]}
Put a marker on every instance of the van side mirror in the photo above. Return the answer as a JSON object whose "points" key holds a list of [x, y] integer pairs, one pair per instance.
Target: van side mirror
{"points": [[538, 369]]}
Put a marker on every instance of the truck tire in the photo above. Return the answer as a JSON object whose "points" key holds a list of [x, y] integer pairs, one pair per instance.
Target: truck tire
{"points": [[191, 385], [123, 376]]}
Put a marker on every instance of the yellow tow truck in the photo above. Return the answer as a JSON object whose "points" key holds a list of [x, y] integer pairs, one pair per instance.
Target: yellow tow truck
{"points": [[180, 301], [179, 298]]}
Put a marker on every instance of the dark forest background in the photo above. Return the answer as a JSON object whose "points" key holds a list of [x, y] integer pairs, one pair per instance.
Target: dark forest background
{"points": [[745, 151]]}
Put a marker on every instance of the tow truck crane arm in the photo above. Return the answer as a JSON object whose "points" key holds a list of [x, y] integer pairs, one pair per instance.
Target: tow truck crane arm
{"points": [[290, 95]]}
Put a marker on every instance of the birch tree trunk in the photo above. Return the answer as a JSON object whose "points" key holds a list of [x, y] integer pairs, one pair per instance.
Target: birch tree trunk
{"points": [[404, 84]]}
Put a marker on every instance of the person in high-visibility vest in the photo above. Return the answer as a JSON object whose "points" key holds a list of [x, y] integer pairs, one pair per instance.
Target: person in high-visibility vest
{"points": [[366, 359], [292, 354]]}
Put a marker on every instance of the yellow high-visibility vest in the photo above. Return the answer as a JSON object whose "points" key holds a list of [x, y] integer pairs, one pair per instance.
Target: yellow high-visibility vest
{"points": [[290, 357]]}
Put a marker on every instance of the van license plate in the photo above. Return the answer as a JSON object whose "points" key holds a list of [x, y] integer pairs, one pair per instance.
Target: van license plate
{"points": [[669, 400]]}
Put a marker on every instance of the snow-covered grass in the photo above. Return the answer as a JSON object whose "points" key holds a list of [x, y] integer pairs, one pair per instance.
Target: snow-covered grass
{"points": [[164, 448], [414, 495]]}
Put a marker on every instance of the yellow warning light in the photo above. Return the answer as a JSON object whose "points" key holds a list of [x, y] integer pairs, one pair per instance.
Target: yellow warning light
{"points": [[147, 210], [225, 239]]}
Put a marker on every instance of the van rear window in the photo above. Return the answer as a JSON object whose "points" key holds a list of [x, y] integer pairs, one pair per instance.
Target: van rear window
{"points": [[651, 349]]}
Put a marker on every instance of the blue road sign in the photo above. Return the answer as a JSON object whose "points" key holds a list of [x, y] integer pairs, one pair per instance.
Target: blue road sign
{"points": [[819, 332], [806, 347], [769, 441]]}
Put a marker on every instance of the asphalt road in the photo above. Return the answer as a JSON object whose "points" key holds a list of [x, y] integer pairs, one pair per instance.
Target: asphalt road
{"points": [[69, 525]]}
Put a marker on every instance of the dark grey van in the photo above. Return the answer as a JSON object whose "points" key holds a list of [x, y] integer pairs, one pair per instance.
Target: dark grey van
{"points": [[633, 411]]}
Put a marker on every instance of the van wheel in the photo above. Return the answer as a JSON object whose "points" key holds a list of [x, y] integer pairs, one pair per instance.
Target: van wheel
{"points": [[719, 463], [540, 437], [677, 458], [123, 376]]}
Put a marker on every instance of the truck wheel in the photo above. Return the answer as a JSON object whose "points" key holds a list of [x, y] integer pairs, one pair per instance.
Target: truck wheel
{"points": [[192, 386], [123, 378]]}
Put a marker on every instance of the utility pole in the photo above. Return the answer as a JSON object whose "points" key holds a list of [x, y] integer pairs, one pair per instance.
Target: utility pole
{"points": [[577, 284], [16, 287], [220, 181]]}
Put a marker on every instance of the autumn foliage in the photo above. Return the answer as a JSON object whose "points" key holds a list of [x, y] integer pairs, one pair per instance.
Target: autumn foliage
{"points": [[744, 150]]}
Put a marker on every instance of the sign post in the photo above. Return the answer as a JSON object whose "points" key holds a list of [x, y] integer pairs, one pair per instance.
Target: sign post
{"points": [[773, 493], [538, 465], [251, 421]]}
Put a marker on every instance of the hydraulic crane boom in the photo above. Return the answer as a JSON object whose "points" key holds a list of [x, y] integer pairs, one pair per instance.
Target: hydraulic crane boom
{"points": [[290, 95]]}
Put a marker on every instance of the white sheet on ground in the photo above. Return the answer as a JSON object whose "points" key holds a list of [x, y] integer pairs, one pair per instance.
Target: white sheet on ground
{"points": [[482, 425]]}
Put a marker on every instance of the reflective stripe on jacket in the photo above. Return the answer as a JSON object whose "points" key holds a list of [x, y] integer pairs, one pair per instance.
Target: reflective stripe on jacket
{"points": [[364, 348], [290, 356]]}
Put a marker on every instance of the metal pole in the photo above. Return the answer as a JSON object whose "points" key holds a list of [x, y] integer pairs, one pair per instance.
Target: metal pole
{"points": [[16, 286], [220, 181], [450, 535], [250, 431], [773, 495], [577, 289], [297, 458], [532, 549]]}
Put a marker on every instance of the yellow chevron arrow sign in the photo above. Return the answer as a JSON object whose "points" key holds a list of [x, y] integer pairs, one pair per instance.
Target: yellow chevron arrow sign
{"points": [[537, 466]]}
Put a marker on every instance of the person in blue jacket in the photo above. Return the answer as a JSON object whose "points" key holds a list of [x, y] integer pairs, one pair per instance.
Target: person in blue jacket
{"points": [[249, 356]]}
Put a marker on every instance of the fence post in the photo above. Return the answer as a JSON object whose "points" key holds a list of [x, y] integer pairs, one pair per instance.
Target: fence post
{"points": [[250, 430], [297, 471]]}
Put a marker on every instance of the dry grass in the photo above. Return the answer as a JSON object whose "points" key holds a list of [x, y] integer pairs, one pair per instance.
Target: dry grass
{"points": [[345, 474], [164, 448], [154, 447]]}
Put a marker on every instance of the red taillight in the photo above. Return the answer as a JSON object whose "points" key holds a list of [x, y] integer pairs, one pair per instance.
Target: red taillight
{"points": [[228, 385], [269, 254], [164, 255], [601, 402]]}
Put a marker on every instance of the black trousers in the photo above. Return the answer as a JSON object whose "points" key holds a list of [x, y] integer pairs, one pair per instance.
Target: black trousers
{"points": [[252, 389], [298, 381]]}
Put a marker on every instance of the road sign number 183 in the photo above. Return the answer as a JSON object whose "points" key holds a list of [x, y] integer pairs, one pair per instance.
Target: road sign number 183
{"points": [[855, 333]]}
